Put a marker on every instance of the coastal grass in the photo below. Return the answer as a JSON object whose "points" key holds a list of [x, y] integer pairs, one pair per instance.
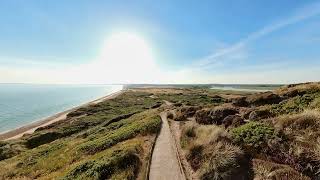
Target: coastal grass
{"points": [[280, 142], [140, 124], [119, 162], [211, 153], [116, 138], [113, 139], [92, 116]]}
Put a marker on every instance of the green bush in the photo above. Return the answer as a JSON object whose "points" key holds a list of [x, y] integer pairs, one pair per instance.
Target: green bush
{"points": [[253, 134], [293, 105]]}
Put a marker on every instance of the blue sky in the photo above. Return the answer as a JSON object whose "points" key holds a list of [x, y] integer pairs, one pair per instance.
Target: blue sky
{"points": [[210, 41]]}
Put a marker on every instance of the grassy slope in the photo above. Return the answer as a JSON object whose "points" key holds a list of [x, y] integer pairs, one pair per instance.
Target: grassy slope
{"points": [[108, 140], [112, 139], [283, 145]]}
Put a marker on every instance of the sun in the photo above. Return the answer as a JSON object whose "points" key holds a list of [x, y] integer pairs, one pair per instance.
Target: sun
{"points": [[129, 56]]}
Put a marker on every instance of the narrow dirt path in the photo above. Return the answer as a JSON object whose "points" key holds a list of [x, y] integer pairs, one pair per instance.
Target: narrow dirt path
{"points": [[165, 164]]}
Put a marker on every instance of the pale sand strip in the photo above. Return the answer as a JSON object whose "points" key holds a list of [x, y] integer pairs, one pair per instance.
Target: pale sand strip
{"points": [[30, 128]]}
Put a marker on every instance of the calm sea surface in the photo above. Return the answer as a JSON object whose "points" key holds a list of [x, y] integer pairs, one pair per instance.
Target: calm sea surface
{"points": [[21, 104]]}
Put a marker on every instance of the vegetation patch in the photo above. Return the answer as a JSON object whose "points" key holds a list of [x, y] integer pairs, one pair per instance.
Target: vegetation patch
{"points": [[303, 142], [269, 170], [211, 153], [253, 135], [51, 151], [293, 105], [8, 150], [119, 162], [214, 115], [147, 125]]}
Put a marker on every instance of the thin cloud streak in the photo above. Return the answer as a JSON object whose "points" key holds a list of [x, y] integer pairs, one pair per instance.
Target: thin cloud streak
{"points": [[302, 14]]}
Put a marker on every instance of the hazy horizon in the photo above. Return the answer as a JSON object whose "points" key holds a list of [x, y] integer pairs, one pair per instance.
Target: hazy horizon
{"points": [[147, 42]]}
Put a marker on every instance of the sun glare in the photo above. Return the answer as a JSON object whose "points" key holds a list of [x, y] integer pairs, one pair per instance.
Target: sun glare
{"points": [[128, 56]]}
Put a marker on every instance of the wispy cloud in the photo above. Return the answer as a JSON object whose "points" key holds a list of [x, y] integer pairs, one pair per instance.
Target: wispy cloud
{"points": [[239, 47]]}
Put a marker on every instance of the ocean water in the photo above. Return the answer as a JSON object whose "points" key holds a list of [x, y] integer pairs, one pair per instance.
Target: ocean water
{"points": [[21, 104]]}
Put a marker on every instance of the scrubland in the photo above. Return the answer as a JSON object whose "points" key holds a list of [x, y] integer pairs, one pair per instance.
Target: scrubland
{"points": [[222, 134], [270, 135]]}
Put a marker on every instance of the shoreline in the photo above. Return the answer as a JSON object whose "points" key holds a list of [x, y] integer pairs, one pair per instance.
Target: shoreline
{"points": [[31, 127]]}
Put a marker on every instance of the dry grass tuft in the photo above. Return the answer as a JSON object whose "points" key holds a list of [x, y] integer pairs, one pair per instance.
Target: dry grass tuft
{"points": [[307, 119], [223, 161], [303, 142], [268, 170], [299, 89], [211, 154]]}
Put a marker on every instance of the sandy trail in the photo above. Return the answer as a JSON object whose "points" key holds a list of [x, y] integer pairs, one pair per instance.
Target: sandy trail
{"points": [[165, 164], [30, 128]]}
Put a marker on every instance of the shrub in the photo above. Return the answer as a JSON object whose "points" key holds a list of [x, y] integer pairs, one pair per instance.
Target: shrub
{"points": [[253, 135], [294, 105]]}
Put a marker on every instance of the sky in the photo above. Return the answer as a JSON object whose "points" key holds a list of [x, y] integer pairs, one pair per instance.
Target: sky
{"points": [[147, 41]]}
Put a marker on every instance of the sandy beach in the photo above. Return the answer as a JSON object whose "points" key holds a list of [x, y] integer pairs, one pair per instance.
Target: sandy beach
{"points": [[30, 128]]}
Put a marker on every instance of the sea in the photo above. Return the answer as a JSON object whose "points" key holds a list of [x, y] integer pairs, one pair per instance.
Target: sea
{"points": [[22, 104]]}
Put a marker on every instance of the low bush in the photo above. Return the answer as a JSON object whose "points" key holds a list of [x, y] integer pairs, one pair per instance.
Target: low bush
{"points": [[294, 105], [253, 135]]}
